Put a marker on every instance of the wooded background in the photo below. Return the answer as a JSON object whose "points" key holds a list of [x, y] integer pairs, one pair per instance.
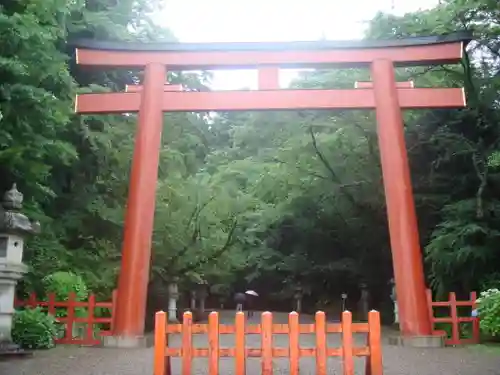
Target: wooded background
{"points": [[248, 200]]}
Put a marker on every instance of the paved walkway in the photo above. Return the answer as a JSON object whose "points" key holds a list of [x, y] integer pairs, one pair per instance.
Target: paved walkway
{"points": [[397, 360]]}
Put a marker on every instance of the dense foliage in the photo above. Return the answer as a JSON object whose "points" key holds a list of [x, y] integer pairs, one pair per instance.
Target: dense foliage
{"points": [[62, 283], [489, 311], [34, 329], [262, 200]]}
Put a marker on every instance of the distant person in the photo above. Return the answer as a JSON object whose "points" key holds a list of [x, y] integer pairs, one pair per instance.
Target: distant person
{"points": [[240, 299], [251, 296], [250, 305]]}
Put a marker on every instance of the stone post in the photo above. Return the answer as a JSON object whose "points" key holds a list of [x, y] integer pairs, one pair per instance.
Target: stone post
{"points": [[364, 301], [202, 294], [297, 296], [14, 228], [173, 296], [394, 301], [192, 304]]}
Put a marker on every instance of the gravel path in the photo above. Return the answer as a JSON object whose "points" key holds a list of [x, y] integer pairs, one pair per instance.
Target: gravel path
{"points": [[397, 361]]}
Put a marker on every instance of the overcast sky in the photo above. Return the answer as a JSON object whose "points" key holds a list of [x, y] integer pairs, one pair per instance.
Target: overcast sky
{"points": [[272, 20]]}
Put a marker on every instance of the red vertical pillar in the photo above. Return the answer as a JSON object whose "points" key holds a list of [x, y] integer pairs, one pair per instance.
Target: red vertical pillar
{"points": [[139, 217], [403, 229]]}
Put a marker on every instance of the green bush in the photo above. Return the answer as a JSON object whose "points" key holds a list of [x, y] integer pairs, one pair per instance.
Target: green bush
{"points": [[489, 312], [34, 329], [62, 283]]}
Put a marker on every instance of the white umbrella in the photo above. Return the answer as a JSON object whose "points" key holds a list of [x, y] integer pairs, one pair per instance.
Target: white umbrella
{"points": [[252, 293]]}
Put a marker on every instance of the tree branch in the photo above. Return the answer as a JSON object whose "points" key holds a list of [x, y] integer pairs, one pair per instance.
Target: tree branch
{"points": [[195, 235], [227, 245], [314, 174], [482, 174], [358, 206], [369, 139], [322, 157], [328, 166]]}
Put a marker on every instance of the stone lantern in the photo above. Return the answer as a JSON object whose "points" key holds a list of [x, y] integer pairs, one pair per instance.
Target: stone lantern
{"points": [[14, 228], [343, 297], [173, 296]]}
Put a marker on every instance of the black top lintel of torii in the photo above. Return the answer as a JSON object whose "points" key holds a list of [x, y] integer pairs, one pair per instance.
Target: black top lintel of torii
{"points": [[461, 36]]}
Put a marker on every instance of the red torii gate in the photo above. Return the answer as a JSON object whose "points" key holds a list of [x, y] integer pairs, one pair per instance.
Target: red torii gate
{"points": [[383, 94]]}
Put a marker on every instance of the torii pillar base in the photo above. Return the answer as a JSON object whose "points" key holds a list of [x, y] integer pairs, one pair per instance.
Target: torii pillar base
{"points": [[127, 342], [433, 341]]}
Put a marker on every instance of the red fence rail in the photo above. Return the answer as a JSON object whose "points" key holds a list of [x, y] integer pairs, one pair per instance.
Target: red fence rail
{"points": [[454, 319], [71, 318], [372, 350]]}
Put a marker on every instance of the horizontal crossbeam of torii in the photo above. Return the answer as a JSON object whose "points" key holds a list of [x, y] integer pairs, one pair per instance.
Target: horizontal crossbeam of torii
{"points": [[383, 94], [191, 101]]}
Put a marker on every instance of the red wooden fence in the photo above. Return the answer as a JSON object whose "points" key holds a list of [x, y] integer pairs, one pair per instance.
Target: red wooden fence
{"points": [[454, 319], [71, 318], [372, 350]]}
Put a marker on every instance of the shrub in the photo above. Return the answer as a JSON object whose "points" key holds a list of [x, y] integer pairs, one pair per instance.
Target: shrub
{"points": [[34, 329], [62, 283], [489, 312]]}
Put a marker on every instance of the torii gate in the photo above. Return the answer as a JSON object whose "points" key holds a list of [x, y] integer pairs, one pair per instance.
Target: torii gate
{"points": [[383, 94]]}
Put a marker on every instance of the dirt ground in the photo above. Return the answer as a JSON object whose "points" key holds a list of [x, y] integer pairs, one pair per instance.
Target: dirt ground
{"points": [[66, 360]]}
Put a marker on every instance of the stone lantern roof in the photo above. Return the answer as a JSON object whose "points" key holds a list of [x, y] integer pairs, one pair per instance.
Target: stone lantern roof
{"points": [[11, 220]]}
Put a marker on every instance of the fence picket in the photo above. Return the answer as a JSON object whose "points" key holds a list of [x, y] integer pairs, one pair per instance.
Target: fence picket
{"points": [[320, 319], [213, 343], [374, 362], [475, 324], [187, 343], [114, 296], [32, 302], [267, 343], [240, 359], [160, 343], [51, 309], [347, 343], [293, 343], [70, 318], [455, 329], [89, 329]]}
